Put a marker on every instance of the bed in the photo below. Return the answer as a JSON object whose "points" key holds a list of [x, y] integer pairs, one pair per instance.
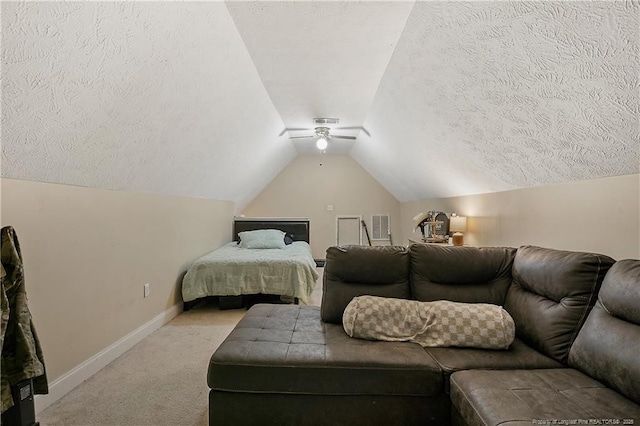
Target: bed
{"points": [[232, 271]]}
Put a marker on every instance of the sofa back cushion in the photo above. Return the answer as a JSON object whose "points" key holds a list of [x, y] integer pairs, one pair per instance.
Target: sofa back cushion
{"points": [[551, 294], [607, 347], [460, 274], [352, 271]]}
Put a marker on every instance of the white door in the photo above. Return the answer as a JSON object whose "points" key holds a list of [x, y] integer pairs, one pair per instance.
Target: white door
{"points": [[348, 230]]}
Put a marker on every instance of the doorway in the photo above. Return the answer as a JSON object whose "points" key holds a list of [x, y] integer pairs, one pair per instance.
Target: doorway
{"points": [[348, 230]]}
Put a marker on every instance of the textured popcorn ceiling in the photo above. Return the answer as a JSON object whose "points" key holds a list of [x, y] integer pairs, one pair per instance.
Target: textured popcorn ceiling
{"points": [[155, 97], [189, 98], [486, 96]]}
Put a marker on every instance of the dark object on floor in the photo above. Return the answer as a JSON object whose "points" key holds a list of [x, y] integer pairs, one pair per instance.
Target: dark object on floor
{"points": [[319, 263], [230, 302], [248, 300], [23, 411], [240, 302]]}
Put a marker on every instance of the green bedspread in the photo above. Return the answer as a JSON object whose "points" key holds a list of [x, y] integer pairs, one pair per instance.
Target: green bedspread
{"points": [[232, 271]]}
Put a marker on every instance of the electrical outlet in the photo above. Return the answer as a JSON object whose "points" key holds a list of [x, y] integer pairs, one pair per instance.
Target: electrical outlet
{"points": [[146, 290]]}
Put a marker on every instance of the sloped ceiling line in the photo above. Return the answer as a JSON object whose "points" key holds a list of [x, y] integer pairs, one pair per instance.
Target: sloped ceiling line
{"points": [[321, 59], [188, 98]]}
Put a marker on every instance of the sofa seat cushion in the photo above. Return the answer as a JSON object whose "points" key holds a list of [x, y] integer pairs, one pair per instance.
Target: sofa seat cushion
{"points": [[522, 397], [518, 356], [288, 349]]}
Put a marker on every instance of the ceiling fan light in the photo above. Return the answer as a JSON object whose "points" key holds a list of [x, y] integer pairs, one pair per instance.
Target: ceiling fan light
{"points": [[321, 143]]}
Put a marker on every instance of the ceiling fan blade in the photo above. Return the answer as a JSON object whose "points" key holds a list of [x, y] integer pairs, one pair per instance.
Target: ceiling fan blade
{"points": [[293, 129], [355, 128], [302, 137], [344, 137]]}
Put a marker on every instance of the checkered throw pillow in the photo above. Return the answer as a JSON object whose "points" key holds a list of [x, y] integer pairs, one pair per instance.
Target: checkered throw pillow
{"points": [[430, 324]]}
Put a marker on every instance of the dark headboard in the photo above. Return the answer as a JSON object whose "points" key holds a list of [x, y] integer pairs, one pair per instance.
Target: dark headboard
{"points": [[297, 227]]}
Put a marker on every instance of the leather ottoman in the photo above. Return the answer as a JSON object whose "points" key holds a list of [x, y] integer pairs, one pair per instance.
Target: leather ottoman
{"points": [[288, 365]]}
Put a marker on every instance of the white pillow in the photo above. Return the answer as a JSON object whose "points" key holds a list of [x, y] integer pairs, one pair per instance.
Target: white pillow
{"points": [[262, 239]]}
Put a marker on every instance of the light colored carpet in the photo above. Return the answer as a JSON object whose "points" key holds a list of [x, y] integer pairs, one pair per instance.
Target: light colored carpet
{"points": [[160, 381]]}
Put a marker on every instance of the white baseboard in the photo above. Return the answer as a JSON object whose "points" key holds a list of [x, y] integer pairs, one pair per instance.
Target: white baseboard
{"points": [[65, 384]]}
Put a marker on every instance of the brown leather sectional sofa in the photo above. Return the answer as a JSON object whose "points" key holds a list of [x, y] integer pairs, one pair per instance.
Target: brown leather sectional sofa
{"points": [[571, 363]]}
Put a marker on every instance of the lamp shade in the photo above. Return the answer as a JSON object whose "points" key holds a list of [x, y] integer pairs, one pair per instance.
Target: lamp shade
{"points": [[458, 224]]}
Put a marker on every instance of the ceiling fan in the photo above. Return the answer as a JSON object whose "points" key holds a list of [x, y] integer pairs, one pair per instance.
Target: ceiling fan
{"points": [[323, 133]]}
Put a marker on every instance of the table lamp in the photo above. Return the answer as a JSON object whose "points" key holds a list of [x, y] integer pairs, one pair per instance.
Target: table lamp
{"points": [[457, 225]]}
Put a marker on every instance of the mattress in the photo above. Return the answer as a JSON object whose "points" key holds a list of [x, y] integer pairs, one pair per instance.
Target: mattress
{"points": [[232, 271]]}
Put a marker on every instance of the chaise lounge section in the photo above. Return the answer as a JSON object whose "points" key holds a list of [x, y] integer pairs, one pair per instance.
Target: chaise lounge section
{"points": [[296, 364], [284, 364], [601, 387]]}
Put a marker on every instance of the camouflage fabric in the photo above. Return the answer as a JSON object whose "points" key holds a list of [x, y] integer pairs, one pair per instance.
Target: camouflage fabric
{"points": [[21, 353]]}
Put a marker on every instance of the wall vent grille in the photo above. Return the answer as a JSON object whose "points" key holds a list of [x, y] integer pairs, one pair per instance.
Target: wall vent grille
{"points": [[380, 227]]}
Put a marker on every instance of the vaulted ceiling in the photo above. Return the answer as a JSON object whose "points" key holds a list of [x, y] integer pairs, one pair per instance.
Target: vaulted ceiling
{"points": [[195, 98]]}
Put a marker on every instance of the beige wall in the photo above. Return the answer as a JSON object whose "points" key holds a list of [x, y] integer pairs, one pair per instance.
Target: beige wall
{"points": [[88, 252], [311, 182], [601, 215]]}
